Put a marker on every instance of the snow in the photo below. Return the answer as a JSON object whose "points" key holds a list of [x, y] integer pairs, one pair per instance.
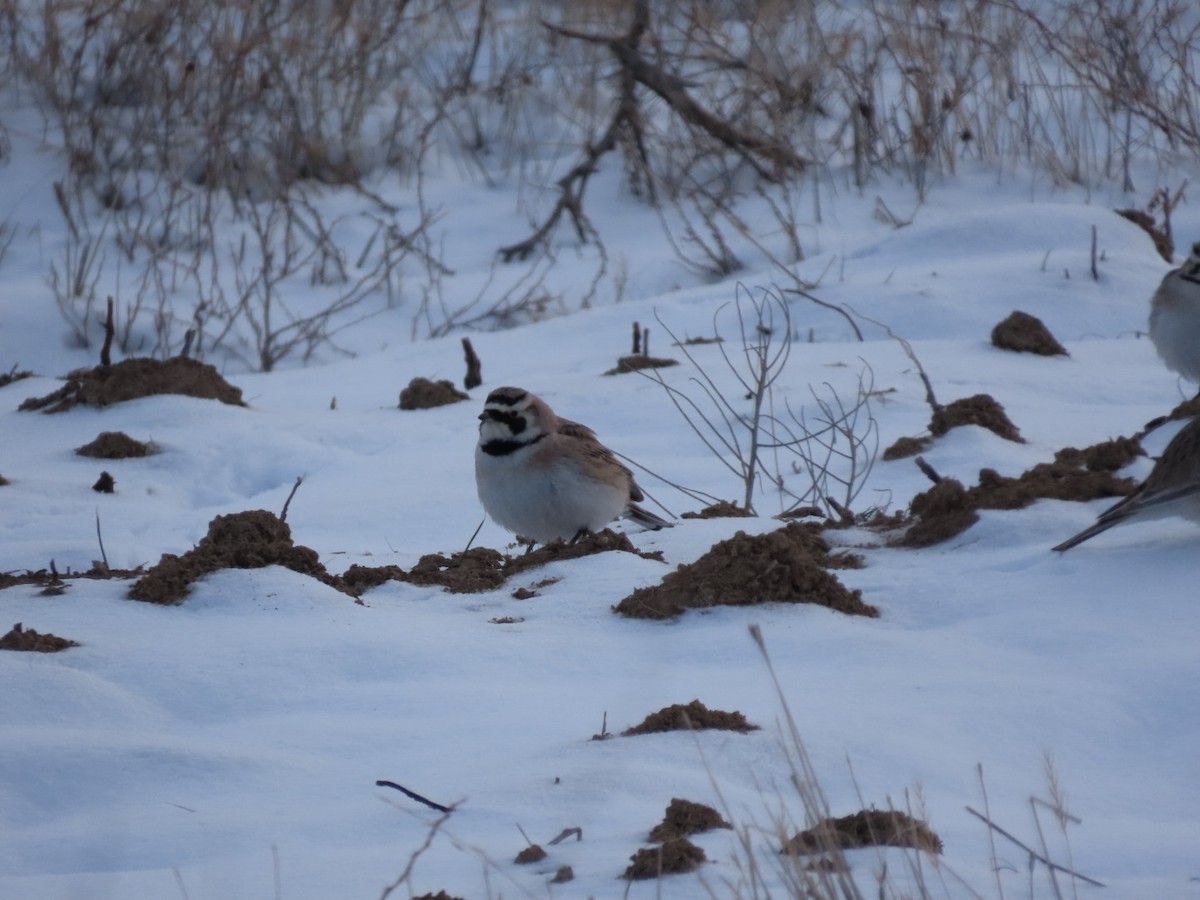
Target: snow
{"points": [[229, 746]]}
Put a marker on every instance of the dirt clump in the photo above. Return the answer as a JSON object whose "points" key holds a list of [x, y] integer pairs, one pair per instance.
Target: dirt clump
{"points": [[636, 361], [245, 540], [684, 817], [1080, 475], [947, 508], [531, 854], [904, 447], [137, 377], [1024, 333], [788, 565], [720, 509], [559, 551], [979, 409], [105, 484], [940, 513], [477, 569], [425, 393], [26, 639], [115, 445], [865, 828], [440, 895], [670, 857], [12, 375], [694, 716], [482, 568]]}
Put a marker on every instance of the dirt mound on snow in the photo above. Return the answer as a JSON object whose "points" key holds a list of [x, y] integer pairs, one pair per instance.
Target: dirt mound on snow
{"points": [[137, 377], [245, 540], [788, 565]]}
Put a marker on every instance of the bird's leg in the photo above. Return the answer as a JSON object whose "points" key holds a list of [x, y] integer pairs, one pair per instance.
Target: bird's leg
{"points": [[580, 533]]}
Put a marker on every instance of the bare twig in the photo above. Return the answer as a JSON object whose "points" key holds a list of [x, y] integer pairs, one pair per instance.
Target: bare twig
{"points": [[291, 494], [415, 796], [1033, 854]]}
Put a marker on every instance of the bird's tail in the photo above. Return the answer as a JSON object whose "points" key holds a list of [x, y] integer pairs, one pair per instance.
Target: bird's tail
{"points": [[645, 518], [1091, 531]]}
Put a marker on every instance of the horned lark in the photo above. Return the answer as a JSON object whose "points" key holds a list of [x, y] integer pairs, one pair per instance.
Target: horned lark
{"points": [[1175, 318], [547, 478], [1171, 489]]}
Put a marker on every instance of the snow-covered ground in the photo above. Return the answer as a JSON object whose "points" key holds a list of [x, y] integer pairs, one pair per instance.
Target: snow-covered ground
{"points": [[229, 746]]}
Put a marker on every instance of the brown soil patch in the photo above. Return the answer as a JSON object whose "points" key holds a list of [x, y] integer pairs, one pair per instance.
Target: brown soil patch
{"points": [[105, 484], [866, 828], [941, 512], [115, 445], [440, 895], [558, 551], [640, 361], [683, 817], [478, 569], [424, 393], [787, 565], [678, 855], [718, 510], [245, 540], [484, 569], [138, 377], [1026, 334], [563, 875], [12, 375], [980, 409], [694, 716], [27, 639], [531, 854], [4, 481], [358, 579], [947, 508], [907, 446], [1074, 475]]}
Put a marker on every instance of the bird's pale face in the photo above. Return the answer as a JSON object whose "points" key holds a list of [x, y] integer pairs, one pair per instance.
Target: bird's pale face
{"points": [[511, 418]]}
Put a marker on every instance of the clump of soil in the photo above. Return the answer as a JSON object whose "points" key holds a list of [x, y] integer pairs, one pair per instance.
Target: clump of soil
{"points": [[720, 509], [563, 875], [424, 393], [1074, 475], [941, 512], [4, 481], [358, 579], [137, 377], [558, 551], [105, 484], [866, 828], [115, 445], [531, 854], [478, 569], [1026, 334], [947, 508], [787, 565], [7, 378], [636, 361], [907, 446], [245, 540], [694, 716], [26, 639], [980, 409], [440, 895], [683, 817], [677, 855], [484, 569]]}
